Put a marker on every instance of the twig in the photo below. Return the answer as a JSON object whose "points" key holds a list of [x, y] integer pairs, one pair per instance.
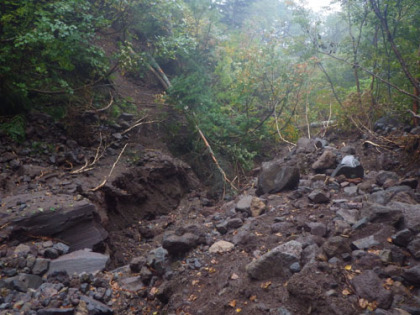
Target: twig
{"points": [[98, 155], [278, 129], [138, 123], [103, 109], [110, 172], [413, 113], [214, 158]]}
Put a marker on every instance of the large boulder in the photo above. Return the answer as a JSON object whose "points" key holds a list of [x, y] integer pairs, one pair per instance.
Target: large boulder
{"points": [[276, 177]]}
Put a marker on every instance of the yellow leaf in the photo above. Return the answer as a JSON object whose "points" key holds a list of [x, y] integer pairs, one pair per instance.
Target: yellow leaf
{"points": [[347, 267], [265, 285], [372, 306], [238, 310], [389, 240], [232, 303]]}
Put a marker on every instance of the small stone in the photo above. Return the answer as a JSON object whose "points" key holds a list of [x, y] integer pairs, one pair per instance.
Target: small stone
{"points": [[221, 247], [22, 250], [414, 247], [137, 263], [318, 196], [41, 266], [317, 228], [365, 243], [51, 253], [257, 207], [369, 286], [244, 204], [335, 245], [412, 275], [295, 267], [402, 238], [234, 223]]}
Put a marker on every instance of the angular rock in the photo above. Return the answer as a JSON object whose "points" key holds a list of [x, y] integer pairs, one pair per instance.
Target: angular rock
{"points": [[350, 216], [78, 262], [305, 145], [351, 191], [221, 247], [411, 215], [336, 245], [325, 161], [41, 266], [234, 223], [402, 194], [23, 282], [317, 228], [95, 307], [133, 284], [276, 177], [276, 262], [365, 243], [180, 244], [412, 275], [370, 287], [157, 259], [137, 263], [414, 247], [350, 167], [318, 196], [244, 204], [22, 249], [382, 214], [383, 176], [402, 238]]}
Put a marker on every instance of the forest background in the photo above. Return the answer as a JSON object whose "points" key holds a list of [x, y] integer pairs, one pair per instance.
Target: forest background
{"points": [[244, 74]]}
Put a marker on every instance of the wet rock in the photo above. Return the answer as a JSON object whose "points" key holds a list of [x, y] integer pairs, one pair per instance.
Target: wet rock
{"points": [[276, 262], [221, 247], [318, 196], [402, 238], [350, 167], [78, 262], [95, 307], [369, 286], [414, 247], [276, 177], [336, 245], [412, 275], [365, 243], [325, 161], [257, 207]]}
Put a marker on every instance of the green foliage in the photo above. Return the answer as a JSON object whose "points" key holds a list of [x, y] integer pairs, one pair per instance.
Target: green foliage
{"points": [[15, 128]]}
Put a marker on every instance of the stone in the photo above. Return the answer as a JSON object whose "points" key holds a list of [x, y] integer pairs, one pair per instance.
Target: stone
{"points": [[22, 282], [350, 167], [276, 177], [402, 238], [221, 247], [348, 150], [383, 176], [317, 228], [370, 287], [414, 247], [305, 145], [276, 262], [325, 161], [234, 223], [56, 311], [95, 307], [351, 216], [336, 245], [78, 262], [412, 275], [133, 284], [257, 207], [41, 266], [61, 248], [179, 244], [222, 227], [244, 204], [402, 194], [22, 249], [382, 214], [157, 259], [146, 275], [411, 215], [351, 191], [137, 263], [318, 196], [365, 243]]}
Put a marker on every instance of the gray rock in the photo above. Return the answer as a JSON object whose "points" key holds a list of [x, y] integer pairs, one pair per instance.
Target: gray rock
{"points": [[317, 228], [56, 311], [95, 307], [157, 259], [365, 243], [133, 284], [411, 215], [145, 275], [41, 266], [360, 224], [276, 177], [382, 214], [348, 150], [383, 176], [234, 223], [351, 216], [78, 262], [325, 161], [22, 249], [137, 263], [221, 247], [393, 193], [414, 247], [318, 196], [276, 262], [222, 227], [23, 282], [179, 244], [412, 275], [351, 191], [305, 145], [350, 167], [402, 238], [369, 286], [336, 245], [61, 248]]}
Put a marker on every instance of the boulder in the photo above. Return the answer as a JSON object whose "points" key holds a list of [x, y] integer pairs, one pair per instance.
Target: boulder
{"points": [[412, 275], [78, 262], [382, 214], [276, 262], [350, 167], [325, 161], [276, 177], [318, 196]]}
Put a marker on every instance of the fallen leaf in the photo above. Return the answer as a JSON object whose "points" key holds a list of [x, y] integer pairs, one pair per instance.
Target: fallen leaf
{"points": [[346, 292], [238, 310], [253, 298], [279, 234], [347, 267], [389, 240], [372, 306], [234, 276], [214, 261], [192, 297], [232, 303], [265, 285], [195, 282], [363, 303], [258, 234], [153, 291]]}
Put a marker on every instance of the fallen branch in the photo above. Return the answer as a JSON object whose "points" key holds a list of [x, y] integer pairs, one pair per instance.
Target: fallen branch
{"points": [[413, 113], [138, 123], [110, 172], [103, 109], [89, 166], [214, 158]]}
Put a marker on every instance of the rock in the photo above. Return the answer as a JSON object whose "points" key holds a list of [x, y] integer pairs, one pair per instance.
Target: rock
{"points": [[336, 245], [257, 207], [350, 167], [276, 177], [351, 191], [222, 227], [412, 275], [137, 263], [305, 145], [234, 223], [22, 249], [370, 287], [221, 247], [365, 243], [414, 247], [317, 228], [411, 215], [402, 238], [156, 259], [95, 307], [402, 194], [244, 204], [382, 214], [383, 176], [56, 311], [78, 262], [126, 116], [410, 182], [325, 161], [23, 282], [41, 266], [146, 275], [350, 216], [318, 196], [276, 262], [348, 150], [133, 284], [179, 244]]}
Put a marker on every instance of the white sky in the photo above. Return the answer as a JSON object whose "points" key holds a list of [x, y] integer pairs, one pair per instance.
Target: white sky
{"points": [[316, 5]]}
